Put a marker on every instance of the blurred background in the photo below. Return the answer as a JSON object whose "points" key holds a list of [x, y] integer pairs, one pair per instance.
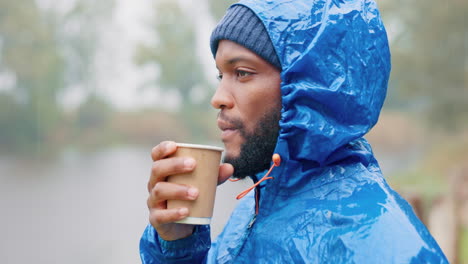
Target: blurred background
{"points": [[87, 88]]}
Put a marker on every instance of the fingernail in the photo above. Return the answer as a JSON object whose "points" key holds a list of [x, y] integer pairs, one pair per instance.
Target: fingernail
{"points": [[192, 192], [183, 211], [189, 163], [169, 145]]}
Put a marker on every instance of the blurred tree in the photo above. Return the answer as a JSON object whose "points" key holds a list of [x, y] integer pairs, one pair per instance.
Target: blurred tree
{"points": [[429, 55], [181, 70], [92, 127], [80, 31], [29, 53], [94, 113], [174, 51], [44, 50]]}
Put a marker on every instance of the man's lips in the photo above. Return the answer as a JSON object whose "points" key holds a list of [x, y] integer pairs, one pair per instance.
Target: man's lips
{"points": [[227, 129], [224, 125]]}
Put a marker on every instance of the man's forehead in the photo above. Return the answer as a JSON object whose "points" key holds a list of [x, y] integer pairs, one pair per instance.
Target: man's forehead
{"points": [[230, 53]]}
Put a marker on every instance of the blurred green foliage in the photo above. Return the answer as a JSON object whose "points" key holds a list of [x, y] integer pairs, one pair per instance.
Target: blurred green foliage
{"points": [[174, 51], [181, 70], [430, 60], [79, 32], [29, 53], [44, 52], [464, 246]]}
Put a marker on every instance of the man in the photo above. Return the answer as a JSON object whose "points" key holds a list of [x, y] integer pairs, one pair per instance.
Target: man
{"points": [[305, 80]]}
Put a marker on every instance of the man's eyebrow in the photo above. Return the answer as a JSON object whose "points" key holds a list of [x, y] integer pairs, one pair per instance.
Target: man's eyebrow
{"points": [[239, 58], [236, 59]]}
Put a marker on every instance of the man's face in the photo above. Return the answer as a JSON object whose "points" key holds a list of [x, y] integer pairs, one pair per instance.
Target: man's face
{"points": [[249, 100]]}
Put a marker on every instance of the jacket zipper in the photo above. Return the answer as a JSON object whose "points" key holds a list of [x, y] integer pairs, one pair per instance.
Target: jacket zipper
{"points": [[248, 230], [252, 222], [246, 236]]}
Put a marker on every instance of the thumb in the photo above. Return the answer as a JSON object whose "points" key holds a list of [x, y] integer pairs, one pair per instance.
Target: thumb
{"points": [[225, 171]]}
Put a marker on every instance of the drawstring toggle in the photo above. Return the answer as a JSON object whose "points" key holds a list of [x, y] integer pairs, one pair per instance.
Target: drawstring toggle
{"points": [[276, 162]]}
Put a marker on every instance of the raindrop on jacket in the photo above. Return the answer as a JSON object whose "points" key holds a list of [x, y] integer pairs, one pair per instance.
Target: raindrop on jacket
{"points": [[328, 201]]}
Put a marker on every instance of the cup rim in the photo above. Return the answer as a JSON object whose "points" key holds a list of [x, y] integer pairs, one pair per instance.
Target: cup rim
{"points": [[198, 146], [195, 220]]}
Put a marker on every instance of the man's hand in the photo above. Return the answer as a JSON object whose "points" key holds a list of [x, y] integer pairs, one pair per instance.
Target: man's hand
{"points": [[161, 218]]}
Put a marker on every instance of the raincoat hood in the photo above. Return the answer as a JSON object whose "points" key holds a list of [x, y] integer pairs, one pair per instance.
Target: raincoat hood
{"points": [[336, 64]]}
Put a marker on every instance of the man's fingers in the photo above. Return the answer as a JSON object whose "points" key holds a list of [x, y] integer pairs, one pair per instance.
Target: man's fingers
{"points": [[225, 171], [159, 217], [163, 150], [166, 167], [164, 191]]}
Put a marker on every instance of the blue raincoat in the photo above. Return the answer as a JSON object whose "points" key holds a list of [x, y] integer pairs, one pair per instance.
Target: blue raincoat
{"points": [[328, 201]]}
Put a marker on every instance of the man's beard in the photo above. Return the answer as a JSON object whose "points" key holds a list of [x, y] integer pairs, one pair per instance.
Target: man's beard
{"points": [[257, 150]]}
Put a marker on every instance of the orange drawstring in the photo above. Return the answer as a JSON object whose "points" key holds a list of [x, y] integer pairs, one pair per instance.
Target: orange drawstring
{"points": [[276, 162]]}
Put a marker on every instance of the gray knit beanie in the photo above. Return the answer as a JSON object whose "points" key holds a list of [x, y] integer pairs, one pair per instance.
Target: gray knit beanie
{"points": [[241, 25]]}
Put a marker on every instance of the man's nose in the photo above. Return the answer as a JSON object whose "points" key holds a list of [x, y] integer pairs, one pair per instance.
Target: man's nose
{"points": [[222, 97]]}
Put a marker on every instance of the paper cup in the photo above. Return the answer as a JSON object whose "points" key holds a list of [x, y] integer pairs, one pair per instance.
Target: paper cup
{"points": [[204, 177]]}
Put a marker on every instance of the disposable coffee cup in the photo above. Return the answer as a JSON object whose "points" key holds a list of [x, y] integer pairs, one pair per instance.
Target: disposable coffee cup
{"points": [[204, 177]]}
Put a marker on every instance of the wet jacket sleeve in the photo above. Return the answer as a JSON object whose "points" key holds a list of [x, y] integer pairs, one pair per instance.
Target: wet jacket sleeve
{"points": [[192, 249]]}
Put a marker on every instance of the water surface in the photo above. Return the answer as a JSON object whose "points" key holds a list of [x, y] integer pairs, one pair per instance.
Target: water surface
{"points": [[82, 207]]}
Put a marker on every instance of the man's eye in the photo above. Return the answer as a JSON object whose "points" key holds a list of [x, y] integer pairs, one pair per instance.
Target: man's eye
{"points": [[219, 76], [241, 73]]}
